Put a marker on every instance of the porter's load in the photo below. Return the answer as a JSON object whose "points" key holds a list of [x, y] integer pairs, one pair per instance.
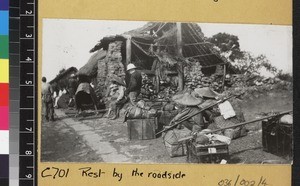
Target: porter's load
{"points": [[171, 141], [202, 139], [140, 111]]}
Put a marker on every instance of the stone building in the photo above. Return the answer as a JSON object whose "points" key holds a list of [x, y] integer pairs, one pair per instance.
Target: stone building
{"points": [[156, 49]]}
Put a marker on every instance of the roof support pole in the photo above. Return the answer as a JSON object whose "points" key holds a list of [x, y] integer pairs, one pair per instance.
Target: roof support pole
{"points": [[128, 50], [179, 53], [224, 76]]}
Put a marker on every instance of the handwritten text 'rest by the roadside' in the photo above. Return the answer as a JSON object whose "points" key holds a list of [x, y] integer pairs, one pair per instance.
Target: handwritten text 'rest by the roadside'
{"points": [[94, 173]]}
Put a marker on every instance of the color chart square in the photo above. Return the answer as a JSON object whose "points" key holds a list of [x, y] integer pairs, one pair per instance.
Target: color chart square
{"points": [[4, 94], [4, 22], [3, 47], [4, 142], [4, 4], [4, 112], [4, 71]]}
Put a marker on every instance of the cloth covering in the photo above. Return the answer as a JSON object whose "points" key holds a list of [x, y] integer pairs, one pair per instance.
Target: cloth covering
{"points": [[85, 96], [187, 112], [226, 110]]}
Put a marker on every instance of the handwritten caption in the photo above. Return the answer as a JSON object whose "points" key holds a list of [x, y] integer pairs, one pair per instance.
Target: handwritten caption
{"points": [[89, 172], [240, 181]]}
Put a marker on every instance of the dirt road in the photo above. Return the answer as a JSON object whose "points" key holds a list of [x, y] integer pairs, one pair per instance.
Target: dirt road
{"points": [[102, 140]]}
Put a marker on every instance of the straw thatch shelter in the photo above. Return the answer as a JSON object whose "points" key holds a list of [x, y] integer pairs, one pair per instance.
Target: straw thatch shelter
{"points": [[90, 69], [61, 80], [156, 48]]}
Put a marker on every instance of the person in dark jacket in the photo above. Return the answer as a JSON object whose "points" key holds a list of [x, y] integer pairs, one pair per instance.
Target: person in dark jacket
{"points": [[134, 84], [47, 100]]}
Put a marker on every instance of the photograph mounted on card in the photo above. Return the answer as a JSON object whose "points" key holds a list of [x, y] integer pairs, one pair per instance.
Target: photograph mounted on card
{"points": [[165, 92]]}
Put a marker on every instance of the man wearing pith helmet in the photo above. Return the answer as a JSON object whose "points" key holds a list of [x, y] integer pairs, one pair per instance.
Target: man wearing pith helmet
{"points": [[134, 84]]}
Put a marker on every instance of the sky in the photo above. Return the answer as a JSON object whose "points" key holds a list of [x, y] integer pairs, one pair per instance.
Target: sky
{"points": [[66, 42]]}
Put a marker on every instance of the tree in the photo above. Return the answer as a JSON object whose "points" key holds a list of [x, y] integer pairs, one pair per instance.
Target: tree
{"points": [[228, 45], [253, 64]]}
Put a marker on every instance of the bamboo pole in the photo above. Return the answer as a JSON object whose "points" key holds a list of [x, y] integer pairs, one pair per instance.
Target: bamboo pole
{"points": [[179, 53], [224, 76], [128, 50]]}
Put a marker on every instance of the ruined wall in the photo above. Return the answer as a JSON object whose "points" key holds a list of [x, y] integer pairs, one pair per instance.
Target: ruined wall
{"points": [[111, 64]]}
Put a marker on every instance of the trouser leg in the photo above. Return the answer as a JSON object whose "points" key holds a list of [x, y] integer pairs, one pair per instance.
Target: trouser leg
{"points": [[46, 111], [51, 110]]}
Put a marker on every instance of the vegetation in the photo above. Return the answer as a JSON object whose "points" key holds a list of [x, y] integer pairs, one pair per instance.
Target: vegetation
{"points": [[241, 61]]}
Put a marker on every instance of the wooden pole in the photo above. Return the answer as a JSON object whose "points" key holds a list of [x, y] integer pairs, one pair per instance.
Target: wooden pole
{"points": [[179, 53], [224, 76], [128, 50]]}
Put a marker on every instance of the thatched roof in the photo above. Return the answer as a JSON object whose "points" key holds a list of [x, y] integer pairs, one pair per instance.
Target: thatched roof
{"points": [[64, 74], [162, 35], [91, 67]]}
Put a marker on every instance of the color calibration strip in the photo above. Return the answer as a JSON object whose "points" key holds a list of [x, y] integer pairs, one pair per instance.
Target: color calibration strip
{"points": [[4, 93], [14, 91]]}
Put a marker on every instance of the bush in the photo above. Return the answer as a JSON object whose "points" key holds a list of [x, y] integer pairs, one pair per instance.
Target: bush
{"points": [[285, 77]]}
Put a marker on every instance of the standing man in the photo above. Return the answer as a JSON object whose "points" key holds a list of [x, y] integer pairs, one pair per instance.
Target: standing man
{"points": [[47, 100], [134, 84]]}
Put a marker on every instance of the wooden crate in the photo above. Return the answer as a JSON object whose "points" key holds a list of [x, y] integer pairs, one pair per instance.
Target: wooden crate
{"points": [[142, 129], [214, 153], [277, 138]]}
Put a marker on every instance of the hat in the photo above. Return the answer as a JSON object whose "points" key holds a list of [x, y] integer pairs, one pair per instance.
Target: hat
{"points": [[118, 80], [131, 66], [187, 99], [206, 92]]}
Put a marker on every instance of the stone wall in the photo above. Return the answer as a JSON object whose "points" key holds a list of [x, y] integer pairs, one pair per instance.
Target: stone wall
{"points": [[111, 64]]}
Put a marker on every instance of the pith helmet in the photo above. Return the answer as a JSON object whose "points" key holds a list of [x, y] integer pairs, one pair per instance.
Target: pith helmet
{"points": [[131, 66]]}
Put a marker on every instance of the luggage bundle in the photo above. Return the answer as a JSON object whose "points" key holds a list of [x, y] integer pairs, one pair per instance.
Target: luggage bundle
{"points": [[171, 141], [141, 122]]}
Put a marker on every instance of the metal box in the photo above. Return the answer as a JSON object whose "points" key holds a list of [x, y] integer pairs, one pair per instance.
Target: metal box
{"points": [[212, 153], [277, 138]]}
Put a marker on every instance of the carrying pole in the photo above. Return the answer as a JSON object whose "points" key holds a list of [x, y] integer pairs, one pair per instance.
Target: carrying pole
{"points": [[240, 124], [205, 108]]}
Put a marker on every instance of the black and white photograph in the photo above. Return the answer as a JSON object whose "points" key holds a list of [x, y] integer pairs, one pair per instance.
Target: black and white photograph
{"points": [[166, 92]]}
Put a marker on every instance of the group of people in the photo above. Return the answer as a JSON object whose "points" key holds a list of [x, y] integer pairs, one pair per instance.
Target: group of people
{"points": [[117, 95]]}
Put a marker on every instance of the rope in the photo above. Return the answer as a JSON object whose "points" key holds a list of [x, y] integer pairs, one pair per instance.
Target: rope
{"points": [[201, 55], [142, 43], [200, 43], [141, 49]]}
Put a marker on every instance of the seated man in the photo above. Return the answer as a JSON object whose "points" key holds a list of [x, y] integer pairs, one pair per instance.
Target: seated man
{"points": [[116, 92], [194, 123]]}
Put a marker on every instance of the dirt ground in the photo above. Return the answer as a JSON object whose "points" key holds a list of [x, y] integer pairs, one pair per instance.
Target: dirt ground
{"points": [[102, 140]]}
